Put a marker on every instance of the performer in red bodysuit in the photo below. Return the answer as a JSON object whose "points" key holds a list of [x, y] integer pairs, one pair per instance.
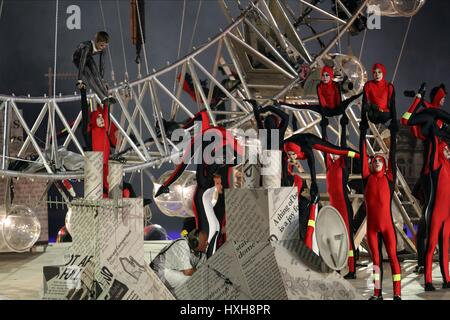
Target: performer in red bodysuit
{"points": [[330, 101], [379, 99], [100, 140], [436, 213], [337, 179], [205, 172], [440, 219], [422, 187], [330, 105], [379, 183], [300, 147]]}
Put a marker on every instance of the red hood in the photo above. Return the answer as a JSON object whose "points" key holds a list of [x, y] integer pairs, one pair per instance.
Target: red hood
{"points": [[293, 147]]}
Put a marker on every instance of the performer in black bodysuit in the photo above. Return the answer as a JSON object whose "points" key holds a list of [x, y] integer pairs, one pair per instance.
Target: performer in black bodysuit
{"points": [[89, 74]]}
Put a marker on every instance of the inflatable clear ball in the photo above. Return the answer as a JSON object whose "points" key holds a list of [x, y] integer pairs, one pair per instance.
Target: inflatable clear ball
{"points": [[398, 8], [407, 8], [178, 202], [21, 228], [155, 232]]}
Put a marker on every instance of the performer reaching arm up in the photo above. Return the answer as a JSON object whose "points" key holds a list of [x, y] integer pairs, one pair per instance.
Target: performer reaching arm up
{"points": [[379, 183]]}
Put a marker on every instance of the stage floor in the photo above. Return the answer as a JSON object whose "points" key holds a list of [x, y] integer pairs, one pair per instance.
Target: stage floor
{"points": [[21, 275]]}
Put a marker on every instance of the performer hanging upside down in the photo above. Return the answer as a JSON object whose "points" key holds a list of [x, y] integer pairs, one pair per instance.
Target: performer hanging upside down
{"points": [[300, 147], [379, 183], [436, 213], [206, 168], [276, 120], [379, 99], [88, 72], [275, 125], [422, 188]]}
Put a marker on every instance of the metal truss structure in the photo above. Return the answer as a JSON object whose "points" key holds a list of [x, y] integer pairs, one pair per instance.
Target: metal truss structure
{"points": [[274, 51]]}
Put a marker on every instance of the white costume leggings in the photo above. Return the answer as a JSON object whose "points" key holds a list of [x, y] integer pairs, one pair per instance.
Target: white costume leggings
{"points": [[213, 223]]}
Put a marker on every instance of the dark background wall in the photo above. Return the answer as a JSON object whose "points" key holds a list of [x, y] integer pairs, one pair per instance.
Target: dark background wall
{"points": [[27, 49]]}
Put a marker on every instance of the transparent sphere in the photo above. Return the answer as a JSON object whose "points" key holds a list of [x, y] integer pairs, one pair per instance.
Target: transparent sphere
{"points": [[407, 8], [21, 228], [351, 71], [178, 202], [398, 8], [67, 221], [155, 232]]}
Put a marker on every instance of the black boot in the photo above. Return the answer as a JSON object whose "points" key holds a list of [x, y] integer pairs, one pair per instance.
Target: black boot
{"points": [[429, 287], [397, 298], [376, 298], [350, 276], [419, 269], [446, 285]]}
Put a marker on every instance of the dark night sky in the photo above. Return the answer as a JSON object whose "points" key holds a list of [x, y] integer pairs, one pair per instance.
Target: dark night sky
{"points": [[27, 45]]}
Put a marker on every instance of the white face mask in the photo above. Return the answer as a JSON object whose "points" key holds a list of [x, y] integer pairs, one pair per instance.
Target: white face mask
{"points": [[100, 122], [377, 165], [378, 75], [326, 77], [447, 153]]}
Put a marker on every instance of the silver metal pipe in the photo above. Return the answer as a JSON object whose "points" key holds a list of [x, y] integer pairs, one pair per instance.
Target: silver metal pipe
{"points": [[54, 144], [36, 125], [214, 69], [197, 84], [147, 123], [272, 49], [261, 56], [33, 141], [5, 149], [74, 129], [125, 135], [322, 11], [320, 34], [170, 94], [237, 66], [69, 130], [131, 124], [219, 85], [159, 117], [340, 33]]}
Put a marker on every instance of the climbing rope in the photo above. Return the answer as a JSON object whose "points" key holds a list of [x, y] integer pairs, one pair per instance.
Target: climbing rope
{"points": [[142, 36], [180, 40], [362, 44], [1, 8], [401, 50], [121, 37], [194, 29], [113, 78], [56, 50]]}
